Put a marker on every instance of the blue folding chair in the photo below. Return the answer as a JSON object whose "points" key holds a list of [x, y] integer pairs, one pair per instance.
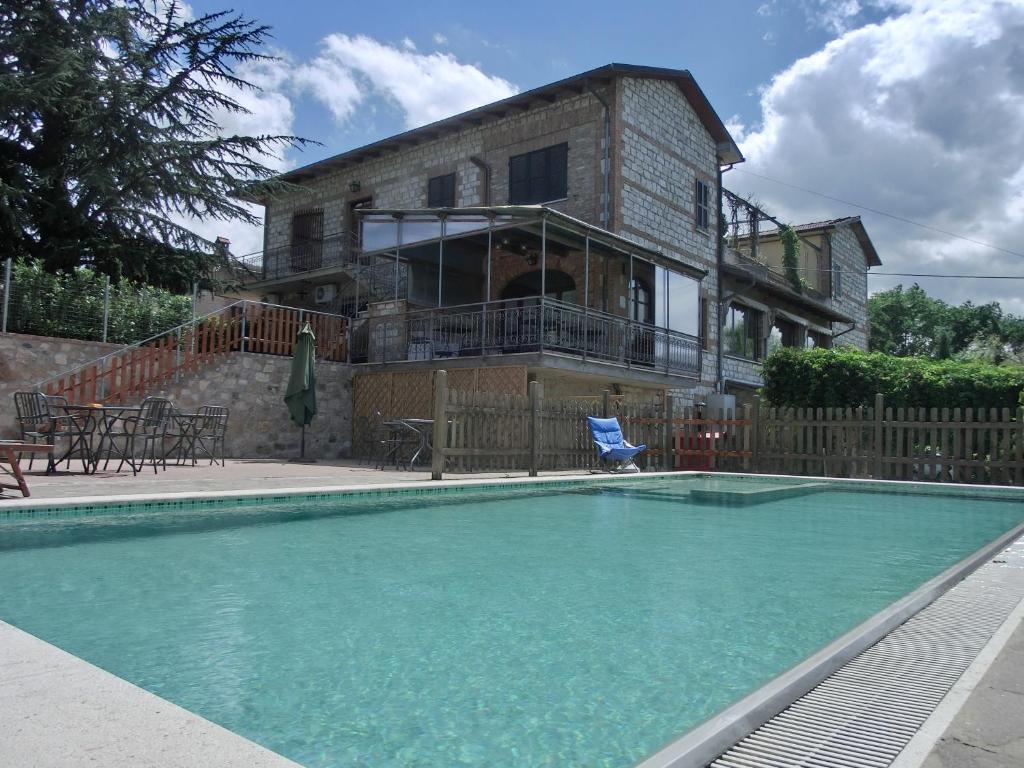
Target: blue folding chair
{"points": [[611, 445]]}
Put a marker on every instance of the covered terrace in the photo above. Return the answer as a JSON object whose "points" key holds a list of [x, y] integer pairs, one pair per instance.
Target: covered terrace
{"points": [[475, 282]]}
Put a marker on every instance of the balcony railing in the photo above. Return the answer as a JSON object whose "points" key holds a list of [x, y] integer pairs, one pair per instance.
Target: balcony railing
{"points": [[524, 325], [296, 258]]}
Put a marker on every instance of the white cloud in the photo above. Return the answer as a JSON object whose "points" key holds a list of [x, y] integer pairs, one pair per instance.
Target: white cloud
{"points": [[426, 87], [440, 39], [920, 115]]}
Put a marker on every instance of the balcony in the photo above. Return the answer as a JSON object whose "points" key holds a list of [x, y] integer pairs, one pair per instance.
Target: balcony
{"points": [[528, 325]]}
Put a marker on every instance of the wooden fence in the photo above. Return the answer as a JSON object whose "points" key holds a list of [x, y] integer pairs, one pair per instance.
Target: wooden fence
{"points": [[940, 445], [129, 374], [483, 432], [480, 432]]}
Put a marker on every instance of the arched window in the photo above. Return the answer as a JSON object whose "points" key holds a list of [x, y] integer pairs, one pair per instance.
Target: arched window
{"points": [[642, 301], [557, 285]]}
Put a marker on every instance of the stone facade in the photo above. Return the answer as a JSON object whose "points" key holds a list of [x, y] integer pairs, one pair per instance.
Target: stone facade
{"points": [[251, 385], [663, 150], [852, 296], [399, 180], [27, 360]]}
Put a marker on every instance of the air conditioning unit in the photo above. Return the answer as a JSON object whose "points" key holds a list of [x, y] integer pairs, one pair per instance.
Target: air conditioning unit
{"points": [[325, 294]]}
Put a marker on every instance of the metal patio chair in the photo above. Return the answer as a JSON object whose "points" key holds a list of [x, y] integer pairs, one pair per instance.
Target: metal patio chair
{"points": [[41, 420], [612, 446], [210, 429], [149, 426]]}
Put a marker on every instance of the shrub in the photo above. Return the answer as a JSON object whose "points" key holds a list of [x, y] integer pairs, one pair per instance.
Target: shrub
{"points": [[847, 377], [70, 305]]}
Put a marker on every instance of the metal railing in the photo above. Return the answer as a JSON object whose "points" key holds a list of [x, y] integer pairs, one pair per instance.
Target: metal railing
{"points": [[243, 326], [533, 324], [296, 258]]}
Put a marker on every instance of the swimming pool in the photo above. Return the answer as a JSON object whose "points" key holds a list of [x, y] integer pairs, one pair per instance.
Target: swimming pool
{"points": [[569, 624]]}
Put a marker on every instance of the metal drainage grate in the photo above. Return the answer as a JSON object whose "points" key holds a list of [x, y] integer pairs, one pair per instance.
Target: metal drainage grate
{"points": [[864, 714]]}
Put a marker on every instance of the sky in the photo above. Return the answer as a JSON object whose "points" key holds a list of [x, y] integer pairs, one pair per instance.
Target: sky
{"points": [[912, 109]]}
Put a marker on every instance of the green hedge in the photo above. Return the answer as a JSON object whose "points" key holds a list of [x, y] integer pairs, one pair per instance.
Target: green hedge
{"points": [[70, 305], [847, 377]]}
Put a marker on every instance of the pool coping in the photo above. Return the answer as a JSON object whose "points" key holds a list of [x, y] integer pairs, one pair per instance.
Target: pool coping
{"points": [[377, 489], [699, 746], [702, 744]]}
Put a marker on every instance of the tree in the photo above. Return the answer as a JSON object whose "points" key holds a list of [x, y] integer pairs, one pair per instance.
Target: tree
{"points": [[909, 323], [109, 135], [905, 323]]}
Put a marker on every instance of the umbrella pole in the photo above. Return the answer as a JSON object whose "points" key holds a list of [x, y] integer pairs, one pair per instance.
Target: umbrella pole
{"points": [[302, 444]]}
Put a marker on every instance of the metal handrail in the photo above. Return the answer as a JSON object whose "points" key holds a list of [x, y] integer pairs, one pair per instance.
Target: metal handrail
{"points": [[178, 329]]}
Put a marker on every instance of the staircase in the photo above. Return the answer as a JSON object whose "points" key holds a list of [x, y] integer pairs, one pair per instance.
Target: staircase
{"points": [[127, 375]]}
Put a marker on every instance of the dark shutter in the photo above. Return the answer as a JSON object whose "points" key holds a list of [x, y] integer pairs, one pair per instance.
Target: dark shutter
{"points": [[307, 240], [441, 191], [540, 176]]}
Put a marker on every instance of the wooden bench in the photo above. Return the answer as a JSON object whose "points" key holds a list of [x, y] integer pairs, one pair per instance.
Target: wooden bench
{"points": [[9, 453]]}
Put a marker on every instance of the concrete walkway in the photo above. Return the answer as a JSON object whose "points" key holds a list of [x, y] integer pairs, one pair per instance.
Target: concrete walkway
{"points": [[237, 475]]}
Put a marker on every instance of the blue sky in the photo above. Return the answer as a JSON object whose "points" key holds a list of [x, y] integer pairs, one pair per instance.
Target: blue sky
{"points": [[911, 108], [731, 47]]}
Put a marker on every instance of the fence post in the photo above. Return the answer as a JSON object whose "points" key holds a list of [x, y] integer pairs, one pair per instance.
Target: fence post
{"points": [[667, 448], [536, 393], [106, 306], [177, 357], [876, 471], [605, 396], [245, 315], [745, 436], [755, 438], [7, 293], [440, 437]]}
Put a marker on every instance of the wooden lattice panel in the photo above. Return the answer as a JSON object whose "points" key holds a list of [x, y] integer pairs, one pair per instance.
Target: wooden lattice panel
{"points": [[505, 380]]}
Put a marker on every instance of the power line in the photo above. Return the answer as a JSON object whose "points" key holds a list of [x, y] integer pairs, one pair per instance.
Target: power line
{"points": [[883, 213]]}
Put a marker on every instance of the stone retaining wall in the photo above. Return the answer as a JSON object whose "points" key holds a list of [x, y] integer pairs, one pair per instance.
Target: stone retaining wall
{"points": [[26, 360], [251, 385]]}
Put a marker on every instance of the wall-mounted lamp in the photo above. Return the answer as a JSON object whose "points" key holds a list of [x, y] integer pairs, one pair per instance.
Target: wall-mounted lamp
{"points": [[354, 186]]}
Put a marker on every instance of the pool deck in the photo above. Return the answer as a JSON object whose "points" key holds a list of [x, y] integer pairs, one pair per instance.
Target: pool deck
{"points": [[61, 710]]}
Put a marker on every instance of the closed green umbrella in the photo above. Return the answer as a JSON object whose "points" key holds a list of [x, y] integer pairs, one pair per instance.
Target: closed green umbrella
{"points": [[300, 396]]}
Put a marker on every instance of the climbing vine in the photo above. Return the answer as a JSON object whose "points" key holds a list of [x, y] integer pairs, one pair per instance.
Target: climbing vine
{"points": [[791, 257]]}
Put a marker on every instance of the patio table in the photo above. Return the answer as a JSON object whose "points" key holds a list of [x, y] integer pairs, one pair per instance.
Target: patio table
{"points": [[87, 423], [185, 444]]}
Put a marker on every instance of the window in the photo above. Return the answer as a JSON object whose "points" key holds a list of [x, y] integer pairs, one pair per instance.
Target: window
{"points": [[837, 281], [782, 334], [643, 303], [817, 339], [307, 244], [703, 206], [539, 177], [742, 332], [441, 191]]}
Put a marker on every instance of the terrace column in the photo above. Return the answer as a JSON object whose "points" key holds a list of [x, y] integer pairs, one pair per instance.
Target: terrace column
{"points": [[398, 248], [629, 315], [586, 294], [440, 261]]}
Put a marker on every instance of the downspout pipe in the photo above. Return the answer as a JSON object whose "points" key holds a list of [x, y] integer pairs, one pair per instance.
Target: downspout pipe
{"points": [[719, 290], [843, 333], [485, 168], [606, 164]]}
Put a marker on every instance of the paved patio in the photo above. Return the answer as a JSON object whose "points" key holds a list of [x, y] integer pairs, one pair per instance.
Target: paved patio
{"points": [[987, 731], [236, 475]]}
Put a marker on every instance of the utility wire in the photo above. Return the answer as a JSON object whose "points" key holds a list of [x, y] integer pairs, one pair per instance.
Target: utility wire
{"points": [[883, 213]]}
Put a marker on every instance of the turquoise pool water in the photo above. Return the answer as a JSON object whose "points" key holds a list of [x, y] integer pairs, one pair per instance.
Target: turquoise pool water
{"points": [[553, 628]]}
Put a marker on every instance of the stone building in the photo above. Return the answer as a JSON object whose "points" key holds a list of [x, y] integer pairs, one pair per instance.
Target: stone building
{"points": [[765, 308], [571, 231]]}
